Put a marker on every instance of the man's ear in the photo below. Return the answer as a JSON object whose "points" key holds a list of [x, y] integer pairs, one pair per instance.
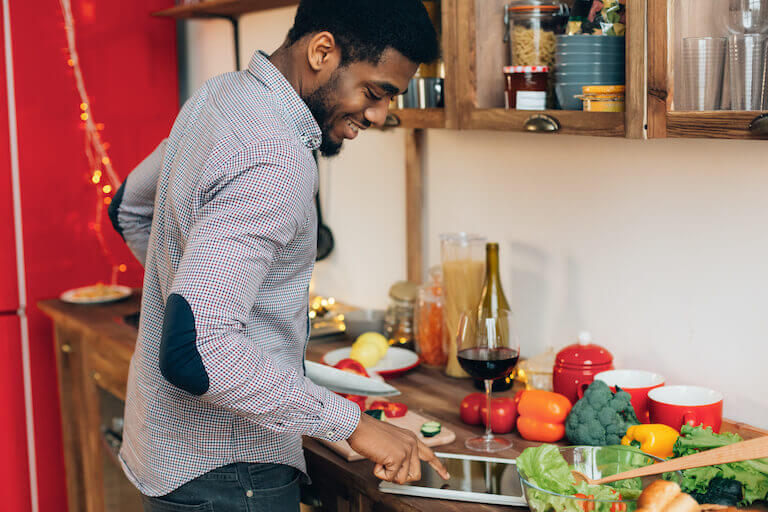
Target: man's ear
{"points": [[323, 55]]}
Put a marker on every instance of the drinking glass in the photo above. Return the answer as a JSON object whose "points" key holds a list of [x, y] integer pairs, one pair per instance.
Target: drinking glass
{"points": [[703, 66], [747, 55], [488, 350]]}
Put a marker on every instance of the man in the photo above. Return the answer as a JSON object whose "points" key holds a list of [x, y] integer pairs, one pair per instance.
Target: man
{"points": [[217, 399]]}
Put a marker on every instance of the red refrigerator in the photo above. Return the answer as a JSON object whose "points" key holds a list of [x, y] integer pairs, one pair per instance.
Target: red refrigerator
{"points": [[48, 203]]}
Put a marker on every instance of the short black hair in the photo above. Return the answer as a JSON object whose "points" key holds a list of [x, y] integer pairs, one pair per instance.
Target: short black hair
{"points": [[363, 29]]}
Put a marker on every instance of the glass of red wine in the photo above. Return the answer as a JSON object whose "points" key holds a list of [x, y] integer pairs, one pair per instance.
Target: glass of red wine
{"points": [[488, 349]]}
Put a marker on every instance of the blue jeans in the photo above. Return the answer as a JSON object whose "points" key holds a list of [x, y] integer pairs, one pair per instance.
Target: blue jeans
{"points": [[239, 487]]}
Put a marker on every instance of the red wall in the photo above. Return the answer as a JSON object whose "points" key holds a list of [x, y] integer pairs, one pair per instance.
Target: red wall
{"points": [[129, 65]]}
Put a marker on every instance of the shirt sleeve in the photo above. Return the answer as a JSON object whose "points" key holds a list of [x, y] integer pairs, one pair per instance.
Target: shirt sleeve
{"points": [[248, 220], [133, 205]]}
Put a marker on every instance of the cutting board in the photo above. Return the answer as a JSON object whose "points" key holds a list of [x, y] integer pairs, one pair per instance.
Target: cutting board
{"points": [[411, 421]]}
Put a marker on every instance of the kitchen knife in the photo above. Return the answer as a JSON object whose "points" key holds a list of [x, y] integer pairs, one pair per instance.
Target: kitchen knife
{"points": [[346, 382]]}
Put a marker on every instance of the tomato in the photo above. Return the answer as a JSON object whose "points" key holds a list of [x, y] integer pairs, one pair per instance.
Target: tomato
{"points": [[544, 405], [503, 415], [351, 366], [535, 430], [470, 408]]}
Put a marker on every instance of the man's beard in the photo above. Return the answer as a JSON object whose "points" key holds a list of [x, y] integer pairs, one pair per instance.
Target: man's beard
{"points": [[320, 103]]}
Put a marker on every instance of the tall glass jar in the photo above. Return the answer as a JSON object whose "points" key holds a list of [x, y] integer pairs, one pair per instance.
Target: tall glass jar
{"points": [[463, 259], [431, 334]]}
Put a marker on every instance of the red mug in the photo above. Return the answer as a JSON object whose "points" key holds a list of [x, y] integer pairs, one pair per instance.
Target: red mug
{"points": [[635, 382], [686, 405]]}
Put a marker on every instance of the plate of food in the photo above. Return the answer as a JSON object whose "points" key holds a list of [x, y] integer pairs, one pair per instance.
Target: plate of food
{"points": [[372, 350], [98, 293]]}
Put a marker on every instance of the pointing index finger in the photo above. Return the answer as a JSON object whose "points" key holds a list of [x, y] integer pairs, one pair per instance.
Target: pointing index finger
{"points": [[427, 455]]}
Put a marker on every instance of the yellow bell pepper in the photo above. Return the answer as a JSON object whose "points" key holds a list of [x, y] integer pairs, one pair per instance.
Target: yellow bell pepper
{"points": [[655, 439]]}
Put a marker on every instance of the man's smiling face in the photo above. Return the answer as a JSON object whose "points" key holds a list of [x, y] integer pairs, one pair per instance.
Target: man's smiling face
{"points": [[357, 95]]}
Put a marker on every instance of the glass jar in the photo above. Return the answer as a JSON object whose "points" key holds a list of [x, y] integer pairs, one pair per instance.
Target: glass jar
{"points": [[531, 29], [431, 340], [398, 320], [526, 87], [603, 98], [463, 258]]}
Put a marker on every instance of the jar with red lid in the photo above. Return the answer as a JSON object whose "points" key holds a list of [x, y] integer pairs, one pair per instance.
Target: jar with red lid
{"points": [[526, 87], [576, 366]]}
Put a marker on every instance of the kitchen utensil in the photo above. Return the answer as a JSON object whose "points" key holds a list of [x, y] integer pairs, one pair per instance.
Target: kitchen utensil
{"points": [[589, 76], [347, 382], [576, 366], [361, 321], [703, 67], [747, 55], [412, 421], [488, 350], [396, 361], [736, 452], [595, 462], [686, 405], [635, 382], [590, 67], [747, 16]]}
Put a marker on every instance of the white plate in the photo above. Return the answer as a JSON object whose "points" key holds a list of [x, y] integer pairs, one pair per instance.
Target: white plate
{"points": [[350, 383], [396, 361], [72, 296]]}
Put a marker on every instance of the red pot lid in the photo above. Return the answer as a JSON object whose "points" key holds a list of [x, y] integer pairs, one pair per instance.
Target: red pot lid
{"points": [[583, 353]]}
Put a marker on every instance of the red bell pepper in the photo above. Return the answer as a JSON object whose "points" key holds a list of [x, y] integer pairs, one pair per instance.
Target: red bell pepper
{"points": [[391, 409], [351, 366]]}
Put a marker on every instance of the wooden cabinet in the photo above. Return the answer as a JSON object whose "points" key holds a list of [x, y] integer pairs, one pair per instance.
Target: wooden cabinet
{"points": [[474, 54], [669, 22]]}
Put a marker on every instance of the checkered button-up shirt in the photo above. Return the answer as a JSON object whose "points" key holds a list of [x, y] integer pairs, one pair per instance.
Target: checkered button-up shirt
{"points": [[233, 233]]}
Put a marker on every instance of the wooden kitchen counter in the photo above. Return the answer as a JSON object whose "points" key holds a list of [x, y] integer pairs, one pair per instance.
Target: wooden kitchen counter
{"points": [[94, 348]]}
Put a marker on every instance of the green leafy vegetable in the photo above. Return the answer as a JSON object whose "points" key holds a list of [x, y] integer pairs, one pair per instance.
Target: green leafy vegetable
{"points": [[721, 492], [545, 467], [751, 474], [601, 417]]}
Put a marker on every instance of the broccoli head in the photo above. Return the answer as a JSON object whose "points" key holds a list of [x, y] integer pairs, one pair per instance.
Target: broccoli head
{"points": [[601, 417]]}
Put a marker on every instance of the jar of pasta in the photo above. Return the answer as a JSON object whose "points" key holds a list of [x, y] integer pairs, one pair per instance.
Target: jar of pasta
{"points": [[531, 29]]}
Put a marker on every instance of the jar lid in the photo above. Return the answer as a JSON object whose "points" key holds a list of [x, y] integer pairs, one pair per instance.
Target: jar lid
{"points": [[526, 69], [584, 353], [404, 290], [603, 89], [537, 6]]}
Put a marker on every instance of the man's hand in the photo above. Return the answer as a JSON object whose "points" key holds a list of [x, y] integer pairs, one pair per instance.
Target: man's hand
{"points": [[397, 452]]}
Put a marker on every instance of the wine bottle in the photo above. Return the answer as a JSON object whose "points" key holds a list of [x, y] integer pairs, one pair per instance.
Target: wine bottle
{"points": [[492, 298], [491, 301]]}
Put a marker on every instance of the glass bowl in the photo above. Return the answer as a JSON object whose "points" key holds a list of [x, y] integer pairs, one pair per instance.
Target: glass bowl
{"points": [[594, 462]]}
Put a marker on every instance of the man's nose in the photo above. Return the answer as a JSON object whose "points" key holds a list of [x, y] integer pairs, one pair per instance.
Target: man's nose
{"points": [[377, 114]]}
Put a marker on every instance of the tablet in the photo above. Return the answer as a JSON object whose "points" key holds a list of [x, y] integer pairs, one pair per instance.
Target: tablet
{"points": [[473, 478]]}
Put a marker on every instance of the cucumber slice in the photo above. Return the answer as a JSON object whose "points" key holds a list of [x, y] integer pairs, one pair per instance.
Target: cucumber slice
{"points": [[376, 413], [431, 429]]}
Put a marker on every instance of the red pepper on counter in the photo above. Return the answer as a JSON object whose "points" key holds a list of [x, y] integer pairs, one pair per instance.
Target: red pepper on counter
{"points": [[351, 366], [391, 409], [542, 415], [358, 399]]}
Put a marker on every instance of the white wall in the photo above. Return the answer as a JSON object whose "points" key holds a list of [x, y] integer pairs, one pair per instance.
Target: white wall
{"points": [[659, 248]]}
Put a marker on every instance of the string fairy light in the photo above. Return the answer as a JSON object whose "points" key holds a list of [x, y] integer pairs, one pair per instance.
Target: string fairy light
{"points": [[101, 172]]}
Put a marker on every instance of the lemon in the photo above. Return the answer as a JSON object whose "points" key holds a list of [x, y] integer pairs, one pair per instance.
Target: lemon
{"points": [[376, 339], [367, 354]]}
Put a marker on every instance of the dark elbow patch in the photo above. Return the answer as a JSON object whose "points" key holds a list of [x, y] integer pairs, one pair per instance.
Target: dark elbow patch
{"points": [[180, 362], [114, 209]]}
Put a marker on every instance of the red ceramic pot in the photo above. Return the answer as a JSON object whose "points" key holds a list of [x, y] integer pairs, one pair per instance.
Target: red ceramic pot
{"points": [[576, 366], [686, 405]]}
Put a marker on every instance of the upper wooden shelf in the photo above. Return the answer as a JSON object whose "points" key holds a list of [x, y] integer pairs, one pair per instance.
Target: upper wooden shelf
{"points": [[221, 8], [418, 118]]}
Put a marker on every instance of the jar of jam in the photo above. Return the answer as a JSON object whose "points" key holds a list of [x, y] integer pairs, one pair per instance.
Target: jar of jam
{"points": [[603, 98], [526, 87]]}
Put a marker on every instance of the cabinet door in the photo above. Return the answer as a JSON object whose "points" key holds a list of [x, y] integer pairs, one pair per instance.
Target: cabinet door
{"points": [[14, 473], [693, 47]]}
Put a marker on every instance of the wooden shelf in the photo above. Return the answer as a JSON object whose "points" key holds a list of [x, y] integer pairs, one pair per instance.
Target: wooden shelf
{"points": [[572, 122], [221, 8], [724, 124], [418, 118]]}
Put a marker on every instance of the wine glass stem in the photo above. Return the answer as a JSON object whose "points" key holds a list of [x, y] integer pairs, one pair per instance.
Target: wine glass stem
{"points": [[488, 387]]}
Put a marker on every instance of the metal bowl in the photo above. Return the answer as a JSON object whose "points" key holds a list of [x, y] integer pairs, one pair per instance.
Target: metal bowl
{"points": [[361, 321], [595, 462]]}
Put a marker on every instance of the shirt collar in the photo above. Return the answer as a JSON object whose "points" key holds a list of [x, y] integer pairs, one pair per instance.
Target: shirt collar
{"points": [[303, 121]]}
